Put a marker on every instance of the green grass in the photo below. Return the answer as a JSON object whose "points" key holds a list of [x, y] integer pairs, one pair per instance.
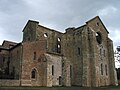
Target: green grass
{"points": [[61, 88]]}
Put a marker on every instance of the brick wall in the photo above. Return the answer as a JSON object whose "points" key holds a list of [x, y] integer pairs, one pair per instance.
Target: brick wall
{"points": [[29, 62]]}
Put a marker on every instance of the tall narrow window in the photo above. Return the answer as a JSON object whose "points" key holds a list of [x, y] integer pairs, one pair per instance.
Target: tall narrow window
{"points": [[106, 70], [52, 69], [58, 45], [78, 51], [101, 69], [33, 74], [104, 53], [60, 80], [70, 71], [100, 51], [34, 58]]}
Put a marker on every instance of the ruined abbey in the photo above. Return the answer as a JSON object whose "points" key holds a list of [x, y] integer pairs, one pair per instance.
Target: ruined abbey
{"points": [[81, 56]]}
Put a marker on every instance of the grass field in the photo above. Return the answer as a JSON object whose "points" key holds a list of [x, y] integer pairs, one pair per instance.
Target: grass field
{"points": [[61, 88]]}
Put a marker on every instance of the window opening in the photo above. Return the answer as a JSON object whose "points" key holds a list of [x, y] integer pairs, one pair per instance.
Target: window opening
{"points": [[106, 70], [59, 39], [34, 58], [98, 37], [101, 69], [52, 69], [60, 80], [33, 74], [45, 35], [78, 51]]}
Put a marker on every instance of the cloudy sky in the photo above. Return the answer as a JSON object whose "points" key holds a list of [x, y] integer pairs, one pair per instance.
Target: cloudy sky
{"points": [[57, 14]]}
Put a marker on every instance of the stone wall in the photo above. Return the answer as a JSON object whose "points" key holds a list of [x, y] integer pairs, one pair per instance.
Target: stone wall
{"points": [[15, 57], [9, 82], [54, 70]]}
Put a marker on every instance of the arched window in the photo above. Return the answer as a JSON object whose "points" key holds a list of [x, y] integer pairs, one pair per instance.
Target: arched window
{"points": [[33, 74], [99, 37], [45, 35]]}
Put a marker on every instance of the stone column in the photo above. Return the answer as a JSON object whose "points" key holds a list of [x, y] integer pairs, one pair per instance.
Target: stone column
{"points": [[93, 58], [85, 52], [112, 71]]}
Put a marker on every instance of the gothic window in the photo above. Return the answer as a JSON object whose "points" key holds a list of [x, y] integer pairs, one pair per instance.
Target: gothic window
{"points": [[34, 57], [101, 69], [99, 37], [33, 74], [78, 51], [52, 69], [106, 70]]}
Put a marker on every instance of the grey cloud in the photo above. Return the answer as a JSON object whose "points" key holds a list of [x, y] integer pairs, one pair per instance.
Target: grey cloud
{"points": [[57, 14]]}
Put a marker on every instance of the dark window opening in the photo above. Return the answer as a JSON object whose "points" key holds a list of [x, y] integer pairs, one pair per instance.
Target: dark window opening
{"points": [[101, 69], [33, 74], [97, 23], [28, 38], [100, 51], [63, 64], [34, 58], [79, 51], [104, 53], [52, 70], [60, 80], [70, 71], [106, 70], [98, 37]]}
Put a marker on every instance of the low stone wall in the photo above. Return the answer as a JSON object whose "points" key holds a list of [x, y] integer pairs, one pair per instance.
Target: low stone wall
{"points": [[9, 82]]}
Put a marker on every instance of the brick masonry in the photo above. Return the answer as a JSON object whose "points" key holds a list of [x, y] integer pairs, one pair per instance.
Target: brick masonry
{"points": [[81, 56]]}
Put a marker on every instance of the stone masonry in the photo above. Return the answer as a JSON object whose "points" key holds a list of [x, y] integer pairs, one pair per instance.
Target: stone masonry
{"points": [[81, 56]]}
